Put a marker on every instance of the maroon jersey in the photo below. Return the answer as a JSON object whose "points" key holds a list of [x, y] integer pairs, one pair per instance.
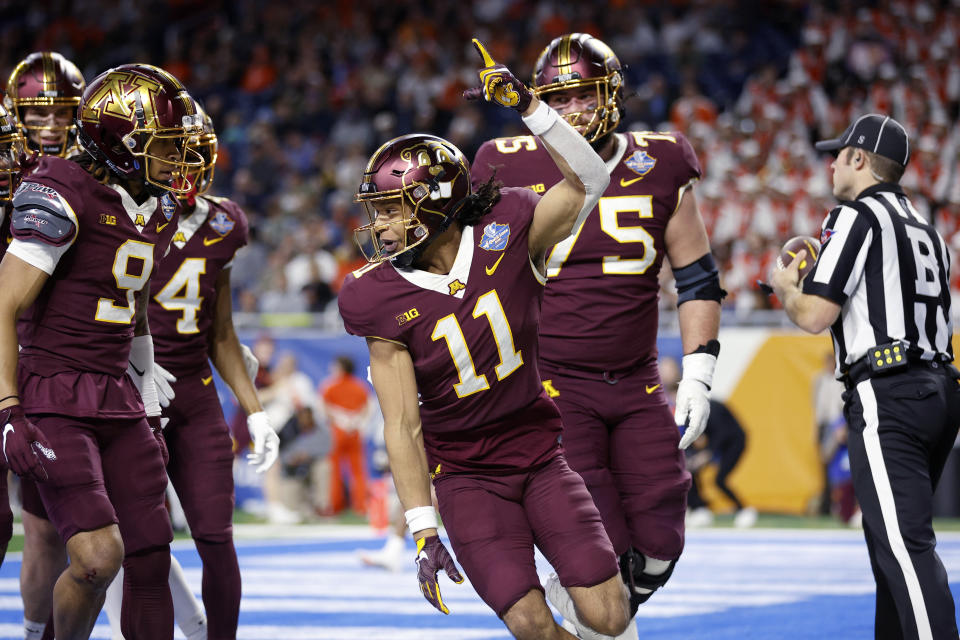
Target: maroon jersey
{"points": [[183, 288], [472, 335], [83, 319], [600, 305]]}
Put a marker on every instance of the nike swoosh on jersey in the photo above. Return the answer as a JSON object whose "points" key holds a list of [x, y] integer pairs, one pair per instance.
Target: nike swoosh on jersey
{"points": [[490, 270], [161, 227], [627, 183], [651, 388], [6, 430], [209, 241], [206, 380]]}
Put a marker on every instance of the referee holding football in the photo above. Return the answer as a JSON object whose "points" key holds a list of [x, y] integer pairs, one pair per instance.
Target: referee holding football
{"points": [[881, 285]]}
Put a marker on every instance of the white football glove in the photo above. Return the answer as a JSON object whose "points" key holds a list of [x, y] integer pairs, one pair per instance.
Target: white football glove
{"points": [[250, 361], [163, 379], [693, 396], [266, 442], [140, 368]]}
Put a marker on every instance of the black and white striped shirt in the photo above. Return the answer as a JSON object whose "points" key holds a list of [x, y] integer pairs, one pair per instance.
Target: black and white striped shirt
{"points": [[889, 270]]}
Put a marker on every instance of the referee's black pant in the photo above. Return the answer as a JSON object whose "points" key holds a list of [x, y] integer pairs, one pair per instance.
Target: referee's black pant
{"points": [[901, 428]]}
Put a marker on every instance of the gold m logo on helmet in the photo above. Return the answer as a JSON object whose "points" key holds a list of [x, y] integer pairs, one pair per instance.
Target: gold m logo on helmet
{"points": [[117, 96]]}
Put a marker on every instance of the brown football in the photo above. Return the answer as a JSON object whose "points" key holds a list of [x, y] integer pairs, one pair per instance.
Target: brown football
{"points": [[793, 246]]}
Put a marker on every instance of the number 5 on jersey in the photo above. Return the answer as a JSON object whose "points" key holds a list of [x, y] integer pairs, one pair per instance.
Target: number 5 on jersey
{"points": [[448, 328]]}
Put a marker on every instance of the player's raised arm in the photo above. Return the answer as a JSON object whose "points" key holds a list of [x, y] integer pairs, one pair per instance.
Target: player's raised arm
{"points": [[564, 207]]}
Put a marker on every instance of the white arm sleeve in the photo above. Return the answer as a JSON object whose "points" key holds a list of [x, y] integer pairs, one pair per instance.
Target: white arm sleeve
{"points": [[41, 255], [546, 124]]}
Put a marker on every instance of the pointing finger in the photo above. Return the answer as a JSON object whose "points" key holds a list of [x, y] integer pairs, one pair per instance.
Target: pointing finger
{"points": [[487, 60]]}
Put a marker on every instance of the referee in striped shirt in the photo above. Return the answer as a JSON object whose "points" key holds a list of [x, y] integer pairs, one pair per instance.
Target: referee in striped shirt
{"points": [[881, 285]]}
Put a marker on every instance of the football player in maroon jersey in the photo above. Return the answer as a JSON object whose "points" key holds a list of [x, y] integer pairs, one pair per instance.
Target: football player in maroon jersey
{"points": [[191, 320], [87, 234], [43, 92], [598, 353], [11, 148], [449, 305]]}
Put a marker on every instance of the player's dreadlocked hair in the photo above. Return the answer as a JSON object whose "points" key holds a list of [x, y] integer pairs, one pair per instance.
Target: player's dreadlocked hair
{"points": [[99, 171], [479, 203]]}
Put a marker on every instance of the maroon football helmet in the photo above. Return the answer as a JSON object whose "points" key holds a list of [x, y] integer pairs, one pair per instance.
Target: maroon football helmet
{"points": [[430, 176], [11, 146], [206, 145], [126, 110], [579, 60], [46, 79]]}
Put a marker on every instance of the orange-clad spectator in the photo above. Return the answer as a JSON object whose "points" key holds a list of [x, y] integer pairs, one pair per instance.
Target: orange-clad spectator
{"points": [[261, 74], [347, 404]]}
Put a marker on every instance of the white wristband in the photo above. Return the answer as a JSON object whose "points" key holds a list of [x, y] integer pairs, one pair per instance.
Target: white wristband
{"points": [[420, 518], [540, 121]]}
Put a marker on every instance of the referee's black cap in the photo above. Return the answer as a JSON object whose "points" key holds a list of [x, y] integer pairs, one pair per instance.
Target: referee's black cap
{"points": [[876, 133]]}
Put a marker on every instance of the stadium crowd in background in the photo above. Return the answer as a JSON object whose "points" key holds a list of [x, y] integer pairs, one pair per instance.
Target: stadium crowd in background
{"points": [[301, 92]]}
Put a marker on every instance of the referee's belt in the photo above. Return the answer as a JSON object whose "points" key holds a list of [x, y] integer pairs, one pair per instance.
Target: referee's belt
{"points": [[891, 358]]}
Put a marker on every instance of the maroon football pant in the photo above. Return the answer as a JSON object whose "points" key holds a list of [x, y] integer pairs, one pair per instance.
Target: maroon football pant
{"points": [[201, 470], [106, 472], [623, 440], [495, 521]]}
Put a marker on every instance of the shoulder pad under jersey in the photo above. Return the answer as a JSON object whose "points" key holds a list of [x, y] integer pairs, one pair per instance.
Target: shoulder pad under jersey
{"points": [[40, 212]]}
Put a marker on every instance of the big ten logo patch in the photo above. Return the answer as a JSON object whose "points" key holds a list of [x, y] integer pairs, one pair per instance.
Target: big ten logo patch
{"points": [[106, 218], [537, 188], [407, 316]]}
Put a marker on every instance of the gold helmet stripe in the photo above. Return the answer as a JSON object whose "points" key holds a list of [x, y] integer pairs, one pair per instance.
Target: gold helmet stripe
{"points": [[169, 77], [49, 72], [188, 104], [563, 56]]}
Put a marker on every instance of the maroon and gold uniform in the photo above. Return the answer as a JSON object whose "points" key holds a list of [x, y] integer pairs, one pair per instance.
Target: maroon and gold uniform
{"points": [[75, 341], [598, 353], [183, 300], [489, 429]]}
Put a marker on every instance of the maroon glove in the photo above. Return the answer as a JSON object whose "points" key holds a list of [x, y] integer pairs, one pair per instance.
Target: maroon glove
{"points": [[431, 557], [24, 445], [499, 84], [154, 422]]}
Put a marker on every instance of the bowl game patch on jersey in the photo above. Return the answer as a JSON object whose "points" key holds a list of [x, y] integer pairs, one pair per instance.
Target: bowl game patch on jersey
{"points": [[495, 237], [640, 162], [168, 204], [222, 223]]}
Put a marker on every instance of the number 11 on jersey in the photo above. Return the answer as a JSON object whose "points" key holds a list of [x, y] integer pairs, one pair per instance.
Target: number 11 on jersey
{"points": [[448, 328]]}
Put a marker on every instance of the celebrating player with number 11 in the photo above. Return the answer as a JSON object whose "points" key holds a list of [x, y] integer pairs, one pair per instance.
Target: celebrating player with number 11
{"points": [[450, 305]]}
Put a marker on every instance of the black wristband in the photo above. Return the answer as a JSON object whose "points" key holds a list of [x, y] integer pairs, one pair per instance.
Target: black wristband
{"points": [[712, 347], [12, 395]]}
